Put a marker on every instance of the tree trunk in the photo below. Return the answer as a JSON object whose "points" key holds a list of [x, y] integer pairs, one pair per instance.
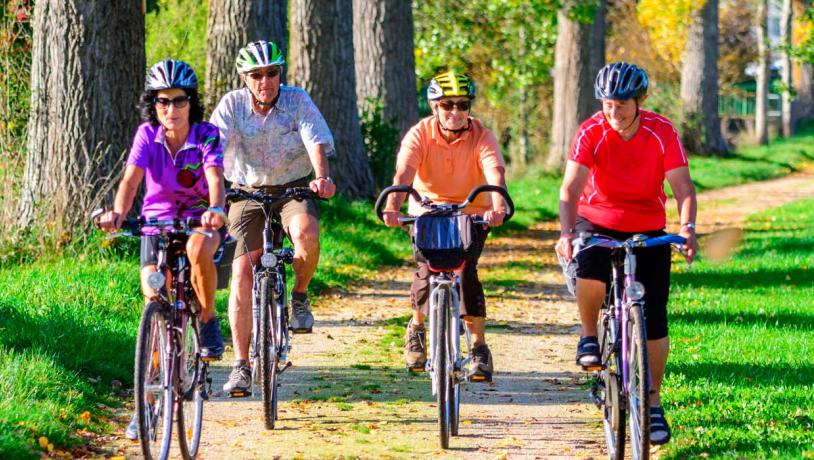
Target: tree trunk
{"points": [[385, 58], [579, 55], [803, 103], [762, 96], [322, 62], [701, 127], [86, 76], [231, 25], [786, 76]]}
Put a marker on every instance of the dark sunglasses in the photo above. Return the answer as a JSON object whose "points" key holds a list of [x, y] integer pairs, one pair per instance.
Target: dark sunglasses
{"points": [[179, 102], [448, 105], [272, 73]]}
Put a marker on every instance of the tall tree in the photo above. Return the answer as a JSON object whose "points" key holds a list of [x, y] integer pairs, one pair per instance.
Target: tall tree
{"points": [[232, 24], [385, 58], [322, 62], [803, 105], [786, 74], [579, 55], [762, 96], [701, 126], [86, 76]]}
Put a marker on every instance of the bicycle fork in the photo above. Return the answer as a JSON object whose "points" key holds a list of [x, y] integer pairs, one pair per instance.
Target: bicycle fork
{"points": [[441, 286]]}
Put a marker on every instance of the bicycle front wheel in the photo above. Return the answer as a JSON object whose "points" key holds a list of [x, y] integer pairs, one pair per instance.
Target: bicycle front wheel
{"points": [[153, 380], [454, 398], [638, 390], [613, 412], [442, 378], [268, 351], [190, 415]]}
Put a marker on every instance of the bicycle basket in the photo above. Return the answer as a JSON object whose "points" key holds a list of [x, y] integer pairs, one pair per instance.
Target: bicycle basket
{"points": [[444, 242], [223, 260]]}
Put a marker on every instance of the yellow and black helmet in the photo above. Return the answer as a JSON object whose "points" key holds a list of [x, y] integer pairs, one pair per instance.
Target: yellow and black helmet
{"points": [[450, 84]]}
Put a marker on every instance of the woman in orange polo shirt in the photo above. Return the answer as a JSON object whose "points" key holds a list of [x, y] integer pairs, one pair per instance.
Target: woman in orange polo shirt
{"points": [[444, 157]]}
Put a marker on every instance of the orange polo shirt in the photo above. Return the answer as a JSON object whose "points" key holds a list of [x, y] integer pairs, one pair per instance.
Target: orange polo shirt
{"points": [[447, 171]]}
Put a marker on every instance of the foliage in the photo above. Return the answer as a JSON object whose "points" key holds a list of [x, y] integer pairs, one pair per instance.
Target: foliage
{"points": [[15, 97], [381, 139], [177, 30], [666, 21], [740, 381], [737, 43], [803, 28]]}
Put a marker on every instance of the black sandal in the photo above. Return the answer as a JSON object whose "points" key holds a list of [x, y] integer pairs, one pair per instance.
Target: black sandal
{"points": [[659, 429], [588, 353]]}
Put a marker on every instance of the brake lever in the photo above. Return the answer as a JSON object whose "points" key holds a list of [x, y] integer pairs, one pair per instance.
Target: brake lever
{"points": [[200, 232]]}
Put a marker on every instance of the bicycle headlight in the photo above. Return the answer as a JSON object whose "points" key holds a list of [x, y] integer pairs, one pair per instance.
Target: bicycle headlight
{"points": [[635, 291], [268, 260], [156, 280]]}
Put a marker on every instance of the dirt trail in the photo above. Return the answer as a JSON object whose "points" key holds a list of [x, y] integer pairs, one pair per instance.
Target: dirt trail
{"points": [[347, 395]]}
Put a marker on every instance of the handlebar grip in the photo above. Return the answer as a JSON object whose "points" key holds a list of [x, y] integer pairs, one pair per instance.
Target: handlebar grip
{"points": [[494, 188], [393, 189]]}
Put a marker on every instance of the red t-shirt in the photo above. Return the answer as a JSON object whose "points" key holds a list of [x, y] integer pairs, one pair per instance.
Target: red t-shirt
{"points": [[625, 188]]}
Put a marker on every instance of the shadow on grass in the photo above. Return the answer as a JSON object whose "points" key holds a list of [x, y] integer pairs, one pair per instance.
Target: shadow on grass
{"points": [[733, 279], [754, 374]]}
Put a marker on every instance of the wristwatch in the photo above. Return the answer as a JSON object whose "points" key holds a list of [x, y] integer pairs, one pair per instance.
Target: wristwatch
{"points": [[327, 178], [221, 212], [690, 225]]}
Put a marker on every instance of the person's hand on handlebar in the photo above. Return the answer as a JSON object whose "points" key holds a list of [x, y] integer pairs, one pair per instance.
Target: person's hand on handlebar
{"points": [[323, 186], [691, 246], [391, 218], [109, 221], [494, 217], [565, 246], [214, 218]]}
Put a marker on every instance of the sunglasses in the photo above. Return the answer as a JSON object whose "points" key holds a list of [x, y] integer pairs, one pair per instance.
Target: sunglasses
{"points": [[448, 105], [179, 102], [272, 73]]}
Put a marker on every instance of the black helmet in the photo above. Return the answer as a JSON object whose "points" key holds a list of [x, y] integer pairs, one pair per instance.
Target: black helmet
{"points": [[170, 74], [620, 80]]}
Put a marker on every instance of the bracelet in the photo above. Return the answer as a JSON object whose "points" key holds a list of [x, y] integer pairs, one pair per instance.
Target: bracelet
{"points": [[221, 212], [327, 178], [690, 225]]}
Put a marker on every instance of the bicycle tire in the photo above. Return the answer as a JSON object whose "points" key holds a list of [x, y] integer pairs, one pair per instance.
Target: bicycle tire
{"points": [[638, 385], [440, 368], [155, 398], [190, 410], [455, 394], [268, 358], [613, 412]]}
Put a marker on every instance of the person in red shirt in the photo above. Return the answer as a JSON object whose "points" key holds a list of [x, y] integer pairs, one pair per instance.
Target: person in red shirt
{"points": [[614, 185]]}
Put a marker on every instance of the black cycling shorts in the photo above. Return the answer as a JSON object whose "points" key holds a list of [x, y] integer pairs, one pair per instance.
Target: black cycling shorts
{"points": [[652, 270], [149, 247]]}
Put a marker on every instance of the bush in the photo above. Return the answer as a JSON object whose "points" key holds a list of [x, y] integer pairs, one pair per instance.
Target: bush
{"points": [[381, 138]]}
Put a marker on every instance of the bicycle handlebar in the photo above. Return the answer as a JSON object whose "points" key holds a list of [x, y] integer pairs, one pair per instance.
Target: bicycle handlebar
{"points": [[234, 195], [587, 240], [428, 204], [133, 226]]}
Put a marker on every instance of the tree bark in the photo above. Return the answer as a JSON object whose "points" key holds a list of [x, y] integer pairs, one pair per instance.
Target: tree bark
{"points": [[385, 58], [323, 64], [803, 104], [762, 95], [579, 55], [231, 25], [86, 76], [786, 75], [701, 127]]}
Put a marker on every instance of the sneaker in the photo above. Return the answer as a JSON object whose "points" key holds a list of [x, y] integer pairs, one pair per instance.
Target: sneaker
{"points": [[240, 380], [415, 346], [480, 366], [302, 321], [211, 340], [588, 353], [131, 432], [659, 429]]}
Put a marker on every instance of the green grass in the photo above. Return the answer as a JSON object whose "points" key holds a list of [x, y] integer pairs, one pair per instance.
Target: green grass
{"points": [[740, 382]]}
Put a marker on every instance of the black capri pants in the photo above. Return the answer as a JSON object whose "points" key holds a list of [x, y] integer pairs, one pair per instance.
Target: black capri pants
{"points": [[652, 270]]}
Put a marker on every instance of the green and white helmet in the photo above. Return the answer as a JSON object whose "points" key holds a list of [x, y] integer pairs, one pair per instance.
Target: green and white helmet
{"points": [[258, 54]]}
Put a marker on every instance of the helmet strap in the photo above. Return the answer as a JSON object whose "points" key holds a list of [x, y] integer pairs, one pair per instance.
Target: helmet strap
{"points": [[265, 105], [454, 131]]}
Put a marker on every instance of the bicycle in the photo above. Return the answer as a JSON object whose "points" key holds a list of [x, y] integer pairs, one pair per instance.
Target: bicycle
{"points": [[171, 377], [270, 340], [621, 385], [440, 235]]}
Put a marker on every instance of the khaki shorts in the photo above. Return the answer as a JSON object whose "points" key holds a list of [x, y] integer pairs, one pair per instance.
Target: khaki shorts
{"points": [[246, 218]]}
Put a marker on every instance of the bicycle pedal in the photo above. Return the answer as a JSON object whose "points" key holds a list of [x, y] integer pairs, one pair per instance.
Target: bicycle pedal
{"points": [[240, 393], [478, 378], [301, 331], [593, 368], [416, 369], [211, 359]]}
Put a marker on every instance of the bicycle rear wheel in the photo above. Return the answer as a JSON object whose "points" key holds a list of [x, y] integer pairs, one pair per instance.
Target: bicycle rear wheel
{"points": [[153, 380], [613, 413], [268, 351], [638, 391], [190, 415], [442, 378], [455, 387]]}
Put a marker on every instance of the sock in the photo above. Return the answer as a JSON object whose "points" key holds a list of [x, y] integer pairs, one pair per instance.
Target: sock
{"points": [[301, 296]]}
